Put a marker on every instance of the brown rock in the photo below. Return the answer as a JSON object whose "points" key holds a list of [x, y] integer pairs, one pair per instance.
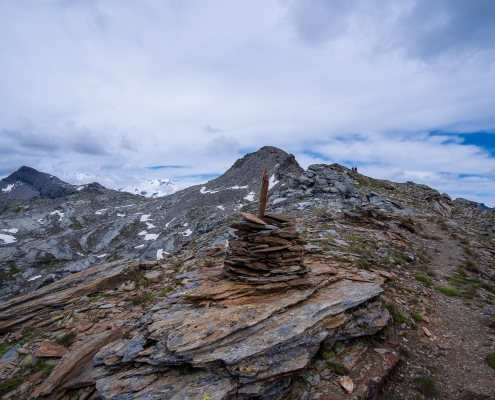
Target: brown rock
{"points": [[36, 377], [153, 276], [274, 248], [50, 349], [473, 392], [280, 217], [37, 305], [85, 327], [23, 351], [73, 362], [252, 218], [350, 356]]}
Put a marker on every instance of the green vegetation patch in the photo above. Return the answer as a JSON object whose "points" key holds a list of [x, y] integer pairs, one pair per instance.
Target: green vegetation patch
{"points": [[472, 266], [417, 317], [337, 368], [164, 291], [142, 299], [491, 361], [426, 385], [396, 315], [9, 385], [449, 291], [404, 351], [423, 279], [67, 339]]}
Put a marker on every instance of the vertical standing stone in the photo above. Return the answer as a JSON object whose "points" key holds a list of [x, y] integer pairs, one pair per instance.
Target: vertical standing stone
{"points": [[263, 195]]}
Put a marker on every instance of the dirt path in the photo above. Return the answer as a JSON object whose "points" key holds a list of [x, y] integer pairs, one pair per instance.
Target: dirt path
{"points": [[454, 356]]}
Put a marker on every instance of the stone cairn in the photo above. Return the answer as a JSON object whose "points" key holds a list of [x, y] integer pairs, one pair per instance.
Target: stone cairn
{"points": [[267, 248]]}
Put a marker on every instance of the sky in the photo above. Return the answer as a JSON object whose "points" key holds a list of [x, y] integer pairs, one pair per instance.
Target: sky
{"points": [[180, 89]]}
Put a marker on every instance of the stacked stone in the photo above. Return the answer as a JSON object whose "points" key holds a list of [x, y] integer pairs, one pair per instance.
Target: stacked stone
{"points": [[266, 250]]}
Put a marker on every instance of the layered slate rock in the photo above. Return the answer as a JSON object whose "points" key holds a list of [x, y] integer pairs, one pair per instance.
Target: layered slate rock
{"points": [[224, 339], [265, 250]]}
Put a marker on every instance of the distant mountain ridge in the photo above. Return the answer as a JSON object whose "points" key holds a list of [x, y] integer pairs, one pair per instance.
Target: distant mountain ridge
{"points": [[144, 186], [27, 182]]}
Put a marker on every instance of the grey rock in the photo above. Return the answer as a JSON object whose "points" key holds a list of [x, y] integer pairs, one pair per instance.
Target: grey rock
{"points": [[10, 355]]}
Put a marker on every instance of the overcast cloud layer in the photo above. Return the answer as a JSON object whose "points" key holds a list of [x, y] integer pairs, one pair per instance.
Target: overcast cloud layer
{"points": [[181, 89]]}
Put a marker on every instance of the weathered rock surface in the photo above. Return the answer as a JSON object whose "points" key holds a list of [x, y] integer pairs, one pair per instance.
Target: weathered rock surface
{"points": [[238, 340], [74, 370], [36, 306]]}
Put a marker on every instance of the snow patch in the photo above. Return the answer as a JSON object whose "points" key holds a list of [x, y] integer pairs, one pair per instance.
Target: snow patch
{"points": [[250, 196], [145, 217], [221, 207], [204, 191], [79, 188], [238, 187], [34, 278], [99, 212], [168, 223], [102, 255], [148, 236], [160, 253], [7, 238], [138, 247], [120, 215], [60, 214], [272, 182], [150, 225], [151, 187], [187, 232], [40, 221], [11, 230], [8, 188]]}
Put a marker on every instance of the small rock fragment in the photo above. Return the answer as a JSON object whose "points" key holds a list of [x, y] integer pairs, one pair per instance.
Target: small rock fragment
{"points": [[153, 276], [347, 384]]}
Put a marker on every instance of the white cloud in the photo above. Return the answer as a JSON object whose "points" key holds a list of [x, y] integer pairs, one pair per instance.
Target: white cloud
{"points": [[112, 88]]}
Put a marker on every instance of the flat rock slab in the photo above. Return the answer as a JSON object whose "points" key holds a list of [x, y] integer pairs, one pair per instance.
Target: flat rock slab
{"points": [[231, 337], [51, 349], [252, 218]]}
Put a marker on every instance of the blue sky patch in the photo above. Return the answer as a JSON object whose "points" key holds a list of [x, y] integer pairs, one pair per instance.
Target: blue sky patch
{"points": [[154, 167], [484, 140]]}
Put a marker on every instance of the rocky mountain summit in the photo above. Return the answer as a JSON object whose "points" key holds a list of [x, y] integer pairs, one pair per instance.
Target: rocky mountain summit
{"points": [[374, 289]]}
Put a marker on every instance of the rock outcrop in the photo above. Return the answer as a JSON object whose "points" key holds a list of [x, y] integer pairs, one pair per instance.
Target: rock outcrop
{"points": [[221, 339]]}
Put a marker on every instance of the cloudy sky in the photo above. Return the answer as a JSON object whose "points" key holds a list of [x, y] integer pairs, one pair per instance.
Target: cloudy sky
{"points": [[404, 90]]}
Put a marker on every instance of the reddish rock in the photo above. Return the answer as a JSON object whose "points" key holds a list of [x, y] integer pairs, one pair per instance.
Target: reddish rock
{"points": [[75, 364], [51, 349]]}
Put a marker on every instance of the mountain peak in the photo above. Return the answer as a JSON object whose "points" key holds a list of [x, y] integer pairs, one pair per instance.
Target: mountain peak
{"points": [[27, 183]]}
